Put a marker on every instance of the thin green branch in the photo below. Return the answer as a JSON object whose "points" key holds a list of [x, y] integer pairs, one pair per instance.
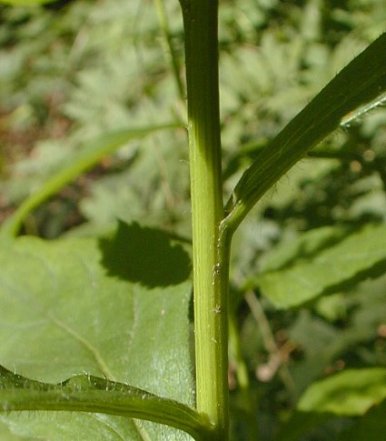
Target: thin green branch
{"points": [[359, 82]]}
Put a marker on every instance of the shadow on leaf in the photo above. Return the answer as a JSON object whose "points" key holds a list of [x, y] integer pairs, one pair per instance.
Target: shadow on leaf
{"points": [[144, 255]]}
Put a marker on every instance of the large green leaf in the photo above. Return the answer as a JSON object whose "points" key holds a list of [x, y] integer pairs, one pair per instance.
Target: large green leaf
{"points": [[321, 266], [361, 81], [351, 392], [7, 435], [62, 314]]}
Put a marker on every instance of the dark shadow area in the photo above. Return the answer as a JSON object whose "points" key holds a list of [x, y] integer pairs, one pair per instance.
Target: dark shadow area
{"points": [[144, 255]]}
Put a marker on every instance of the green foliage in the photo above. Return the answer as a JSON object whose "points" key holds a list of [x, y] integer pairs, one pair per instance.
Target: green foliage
{"points": [[86, 393], [308, 273], [367, 428], [81, 84], [342, 95], [104, 332], [352, 392], [75, 165]]}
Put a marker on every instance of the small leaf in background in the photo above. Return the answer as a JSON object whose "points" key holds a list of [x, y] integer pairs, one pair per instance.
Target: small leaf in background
{"points": [[359, 256], [144, 255], [356, 335], [306, 246], [61, 314], [351, 392]]}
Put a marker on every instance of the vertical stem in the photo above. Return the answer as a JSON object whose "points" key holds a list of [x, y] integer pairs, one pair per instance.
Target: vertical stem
{"points": [[210, 270]]}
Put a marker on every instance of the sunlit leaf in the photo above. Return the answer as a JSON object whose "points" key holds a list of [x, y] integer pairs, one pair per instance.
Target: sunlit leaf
{"points": [[306, 246], [6, 435], [62, 314], [351, 392], [353, 259]]}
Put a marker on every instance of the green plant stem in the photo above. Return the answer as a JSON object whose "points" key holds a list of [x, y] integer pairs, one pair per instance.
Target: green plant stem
{"points": [[210, 258]]}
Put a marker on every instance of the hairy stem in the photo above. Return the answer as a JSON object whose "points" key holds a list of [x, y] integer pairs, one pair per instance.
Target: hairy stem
{"points": [[210, 259]]}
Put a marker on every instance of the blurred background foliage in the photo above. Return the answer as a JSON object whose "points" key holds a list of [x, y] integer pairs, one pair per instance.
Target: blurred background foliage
{"points": [[72, 70]]}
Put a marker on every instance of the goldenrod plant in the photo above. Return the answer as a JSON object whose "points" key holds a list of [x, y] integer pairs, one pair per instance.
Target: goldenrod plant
{"points": [[95, 331]]}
